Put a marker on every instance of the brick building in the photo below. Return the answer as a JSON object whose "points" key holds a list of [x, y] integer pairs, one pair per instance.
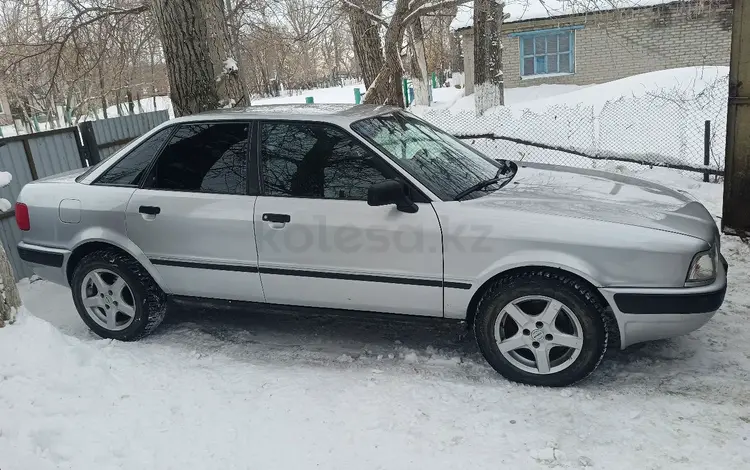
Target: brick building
{"points": [[604, 45]]}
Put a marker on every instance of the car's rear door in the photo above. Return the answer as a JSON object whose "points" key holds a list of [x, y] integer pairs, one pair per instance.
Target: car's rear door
{"points": [[192, 216], [321, 245]]}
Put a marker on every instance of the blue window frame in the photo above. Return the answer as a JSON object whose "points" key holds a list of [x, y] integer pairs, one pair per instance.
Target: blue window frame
{"points": [[546, 52]]}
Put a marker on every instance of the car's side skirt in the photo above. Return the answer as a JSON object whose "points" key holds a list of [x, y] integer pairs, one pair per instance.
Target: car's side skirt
{"points": [[208, 304]]}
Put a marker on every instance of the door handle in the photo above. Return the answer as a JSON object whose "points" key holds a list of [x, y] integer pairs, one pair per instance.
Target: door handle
{"points": [[150, 210], [277, 218]]}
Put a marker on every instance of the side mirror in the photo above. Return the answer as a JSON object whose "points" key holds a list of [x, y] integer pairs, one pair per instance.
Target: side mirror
{"points": [[391, 192]]}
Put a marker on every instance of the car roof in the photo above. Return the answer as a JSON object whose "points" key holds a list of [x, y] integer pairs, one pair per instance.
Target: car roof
{"points": [[338, 113]]}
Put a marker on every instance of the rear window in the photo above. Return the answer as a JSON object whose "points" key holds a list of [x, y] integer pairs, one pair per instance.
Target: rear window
{"points": [[130, 170]]}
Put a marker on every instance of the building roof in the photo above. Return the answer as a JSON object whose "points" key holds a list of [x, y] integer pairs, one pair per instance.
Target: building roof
{"points": [[524, 10]]}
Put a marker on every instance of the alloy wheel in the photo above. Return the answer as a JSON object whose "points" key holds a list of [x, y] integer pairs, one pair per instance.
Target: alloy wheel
{"points": [[538, 334], [108, 299]]}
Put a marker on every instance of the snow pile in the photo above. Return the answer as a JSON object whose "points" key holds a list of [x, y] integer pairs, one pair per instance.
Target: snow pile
{"points": [[657, 117], [230, 66], [211, 390], [331, 95], [681, 84], [5, 179], [520, 10]]}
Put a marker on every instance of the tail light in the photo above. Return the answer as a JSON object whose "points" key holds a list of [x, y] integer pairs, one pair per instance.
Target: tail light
{"points": [[22, 217]]}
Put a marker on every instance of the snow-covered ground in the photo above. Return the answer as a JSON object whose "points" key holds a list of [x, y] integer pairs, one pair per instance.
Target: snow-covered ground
{"points": [[444, 97], [225, 391]]}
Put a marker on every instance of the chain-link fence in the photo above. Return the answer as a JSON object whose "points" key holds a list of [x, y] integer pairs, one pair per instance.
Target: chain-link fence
{"points": [[678, 128]]}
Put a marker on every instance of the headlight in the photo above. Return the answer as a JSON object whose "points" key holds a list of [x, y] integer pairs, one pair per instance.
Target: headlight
{"points": [[703, 268]]}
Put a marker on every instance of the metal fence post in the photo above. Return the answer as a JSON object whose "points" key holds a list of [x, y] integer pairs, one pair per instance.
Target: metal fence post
{"points": [[30, 158], [706, 148], [81, 149], [89, 142]]}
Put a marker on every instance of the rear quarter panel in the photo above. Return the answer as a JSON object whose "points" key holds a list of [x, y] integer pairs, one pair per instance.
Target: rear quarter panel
{"points": [[67, 215], [99, 209]]}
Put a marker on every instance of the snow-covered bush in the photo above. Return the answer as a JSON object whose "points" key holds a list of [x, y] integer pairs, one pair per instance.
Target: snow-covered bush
{"points": [[10, 301]]}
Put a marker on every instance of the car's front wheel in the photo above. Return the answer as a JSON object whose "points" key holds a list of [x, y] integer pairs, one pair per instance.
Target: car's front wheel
{"points": [[116, 297], [541, 328]]}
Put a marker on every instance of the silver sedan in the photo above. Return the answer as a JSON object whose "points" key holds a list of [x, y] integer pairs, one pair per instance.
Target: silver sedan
{"points": [[370, 209]]}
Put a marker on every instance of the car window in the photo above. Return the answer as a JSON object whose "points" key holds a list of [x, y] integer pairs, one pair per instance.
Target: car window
{"points": [[206, 158], [129, 170], [316, 161]]}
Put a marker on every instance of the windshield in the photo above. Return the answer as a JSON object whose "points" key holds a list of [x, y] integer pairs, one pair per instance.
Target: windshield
{"points": [[438, 160]]}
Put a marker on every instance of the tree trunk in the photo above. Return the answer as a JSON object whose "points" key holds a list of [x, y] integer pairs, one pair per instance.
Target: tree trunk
{"points": [[421, 80], [234, 46], [366, 39], [104, 93], [202, 70], [152, 63], [68, 108], [386, 88], [457, 60], [336, 57], [10, 300], [488, 58], [131, 104]]}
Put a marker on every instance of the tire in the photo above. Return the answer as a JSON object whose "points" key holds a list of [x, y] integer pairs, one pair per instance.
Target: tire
{"points": [[532, 296], [140, 304]]}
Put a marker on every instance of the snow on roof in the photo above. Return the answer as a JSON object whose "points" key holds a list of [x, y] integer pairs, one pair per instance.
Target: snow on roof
{"points": [[520, 10]]}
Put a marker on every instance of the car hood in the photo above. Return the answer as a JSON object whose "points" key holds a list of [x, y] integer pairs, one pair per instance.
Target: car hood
{"points": [[599, 195]]}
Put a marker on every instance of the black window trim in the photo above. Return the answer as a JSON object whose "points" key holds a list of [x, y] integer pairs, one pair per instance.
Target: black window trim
{"points": [[152, 166], [172, 128], [418, 196]]}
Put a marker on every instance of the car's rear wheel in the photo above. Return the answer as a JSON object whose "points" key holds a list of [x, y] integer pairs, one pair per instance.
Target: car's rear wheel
{"points": [[541, 328], [116, 297]]}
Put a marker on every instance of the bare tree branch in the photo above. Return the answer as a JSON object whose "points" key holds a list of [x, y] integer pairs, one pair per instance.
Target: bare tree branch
{"points": [[425, 9], [372, 15]]}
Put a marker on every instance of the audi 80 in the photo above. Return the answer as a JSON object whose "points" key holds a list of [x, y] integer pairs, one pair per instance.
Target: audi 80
{"points": [[371, 209]]}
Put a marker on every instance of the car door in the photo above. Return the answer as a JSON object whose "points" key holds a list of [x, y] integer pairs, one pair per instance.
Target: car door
{"points": [[193, 215], [319, 242]]}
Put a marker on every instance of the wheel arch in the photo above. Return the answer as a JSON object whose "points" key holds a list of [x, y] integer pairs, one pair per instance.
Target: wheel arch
{"points": [[88, 246], [471, 310]]}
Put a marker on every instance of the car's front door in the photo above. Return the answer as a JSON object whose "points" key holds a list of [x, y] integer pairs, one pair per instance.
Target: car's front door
{"points": [[320, 244], [193, 217]]}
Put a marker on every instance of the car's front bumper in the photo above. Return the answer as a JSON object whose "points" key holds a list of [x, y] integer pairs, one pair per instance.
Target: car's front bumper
{"points": [[649, 314]]}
